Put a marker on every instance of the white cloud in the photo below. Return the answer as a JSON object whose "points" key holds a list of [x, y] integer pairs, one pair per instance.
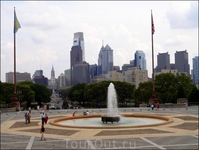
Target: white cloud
{"points": [[180, 39]]}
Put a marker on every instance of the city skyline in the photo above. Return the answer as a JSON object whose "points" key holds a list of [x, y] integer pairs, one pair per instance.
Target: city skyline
{"points": [[46, 34]]}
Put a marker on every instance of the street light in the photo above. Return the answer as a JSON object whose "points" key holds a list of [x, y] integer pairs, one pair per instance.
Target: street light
{"points": [[142, 90]]}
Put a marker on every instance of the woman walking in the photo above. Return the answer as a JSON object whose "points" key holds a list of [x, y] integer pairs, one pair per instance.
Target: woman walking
{"points": [[42, 130]]}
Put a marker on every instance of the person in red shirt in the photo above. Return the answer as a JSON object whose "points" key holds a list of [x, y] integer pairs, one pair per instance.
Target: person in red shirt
{"points": [[73, 114], [46, 119]]}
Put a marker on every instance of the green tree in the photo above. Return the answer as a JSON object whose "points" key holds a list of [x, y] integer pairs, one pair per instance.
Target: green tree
{"points": [[194, 95], [6, 92]]}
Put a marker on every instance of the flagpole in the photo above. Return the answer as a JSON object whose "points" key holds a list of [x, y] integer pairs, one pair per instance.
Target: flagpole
{"points": [[153, 99], [15, 102]]}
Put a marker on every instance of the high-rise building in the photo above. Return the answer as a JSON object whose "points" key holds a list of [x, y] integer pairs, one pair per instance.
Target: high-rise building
{"points": [[39, 78], [105, 59], [163, 62], [140, 60], [81, 73], [196, 70], [79, 40], [75, 58], [182, 62], [19, 77], [62, 81]]}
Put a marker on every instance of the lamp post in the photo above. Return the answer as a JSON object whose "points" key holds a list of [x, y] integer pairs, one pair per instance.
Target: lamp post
{"points": [[142, 90]]}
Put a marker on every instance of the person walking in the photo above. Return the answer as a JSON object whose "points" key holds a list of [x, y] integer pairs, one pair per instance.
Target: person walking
{"points": [[26, 118], [43, 116], [29, 117], [29, 110], [42, 130], [46, 119], [158, 106]]}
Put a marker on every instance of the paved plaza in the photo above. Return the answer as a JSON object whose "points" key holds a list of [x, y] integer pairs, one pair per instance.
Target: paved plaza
{"points": [[181, 134]]}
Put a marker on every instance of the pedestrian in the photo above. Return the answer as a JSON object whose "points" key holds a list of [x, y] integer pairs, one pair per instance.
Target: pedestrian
{"points": [[42, 117], [46, 119], [73, 114], [26, 118], [38, 107], [158, 106], [29, 110], [87, 113], [152, 106], [42, 130], [29, 117], [84, 113]]}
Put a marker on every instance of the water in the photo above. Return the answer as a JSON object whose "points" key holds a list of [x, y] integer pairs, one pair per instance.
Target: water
{"points": [[112, 101], [124, 121]]}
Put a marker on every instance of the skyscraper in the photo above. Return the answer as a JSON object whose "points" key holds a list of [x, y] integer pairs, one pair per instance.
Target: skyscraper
{"points": [[79, 40], [140, 60], [52, 83], [182, 62], [163, 62], [105, 59], [75, 58], [196, 70]]}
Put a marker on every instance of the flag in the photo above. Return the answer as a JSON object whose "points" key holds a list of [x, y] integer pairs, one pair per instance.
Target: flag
{"points": [[152, 24], [16, 23]]}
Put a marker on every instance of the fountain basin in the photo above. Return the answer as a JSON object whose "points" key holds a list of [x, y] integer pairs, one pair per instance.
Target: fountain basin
{"points": [[78, 121], [110, 119]]}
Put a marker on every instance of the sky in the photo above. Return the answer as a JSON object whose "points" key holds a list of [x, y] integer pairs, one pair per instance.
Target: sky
{"points": [[47, 30]]}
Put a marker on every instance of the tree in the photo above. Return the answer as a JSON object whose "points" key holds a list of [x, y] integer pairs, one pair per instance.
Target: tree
{"points": [[194, 95]]}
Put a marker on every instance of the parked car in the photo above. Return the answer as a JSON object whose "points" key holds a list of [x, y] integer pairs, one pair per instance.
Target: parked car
{"points": [[51, 107]]}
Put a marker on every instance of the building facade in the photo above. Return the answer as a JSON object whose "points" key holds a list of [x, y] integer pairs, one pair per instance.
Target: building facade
{"points": [[19, 77], [75, 58], [81, 73], [182, 62], [163, 62], [135, 76], [196, 70], [140, 60], [105, 59], [79, 40]]}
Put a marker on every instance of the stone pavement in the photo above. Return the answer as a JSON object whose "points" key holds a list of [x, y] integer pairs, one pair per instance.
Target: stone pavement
{"points": [[181, 134]]}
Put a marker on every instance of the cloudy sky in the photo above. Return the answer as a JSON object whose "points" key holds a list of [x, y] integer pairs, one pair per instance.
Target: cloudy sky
{"points": [[47, 29]]}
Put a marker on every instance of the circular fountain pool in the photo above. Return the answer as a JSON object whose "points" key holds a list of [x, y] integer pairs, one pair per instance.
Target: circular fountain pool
{"points": [[126, 121]]}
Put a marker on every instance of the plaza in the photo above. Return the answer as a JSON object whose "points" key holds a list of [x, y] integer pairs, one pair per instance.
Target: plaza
{"points": [[182, 133]]}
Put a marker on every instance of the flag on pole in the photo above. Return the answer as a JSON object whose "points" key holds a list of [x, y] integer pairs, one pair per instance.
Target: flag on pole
{"points": [[16, 23], [152, 24]]}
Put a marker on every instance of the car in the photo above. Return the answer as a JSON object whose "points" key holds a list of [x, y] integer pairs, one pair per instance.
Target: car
{"points": [[51, 107]]}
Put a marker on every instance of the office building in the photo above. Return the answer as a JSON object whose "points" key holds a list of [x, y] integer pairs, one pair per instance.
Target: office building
{"points": [[75, 58], [81, 73], [19, 77], [79, 40], [105, 59], [196, 70], [182, 62], [140, 60], [135, 76], [163, 62]]}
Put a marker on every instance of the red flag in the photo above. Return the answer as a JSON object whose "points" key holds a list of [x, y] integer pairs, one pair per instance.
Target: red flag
{"points": [[152, 24]]}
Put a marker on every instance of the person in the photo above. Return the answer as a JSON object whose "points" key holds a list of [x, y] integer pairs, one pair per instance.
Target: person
{"points": [[29, 110], [29, 117], [38, 107], [42, 130], [43, 117], [73, 114], [158, 106], [152, 106], [84, 113], [87, 113], [46, 119], [26, 118]]}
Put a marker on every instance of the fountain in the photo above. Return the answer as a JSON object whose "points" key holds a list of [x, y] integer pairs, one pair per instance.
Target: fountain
{"points": [[112, 113], [129, 120]]}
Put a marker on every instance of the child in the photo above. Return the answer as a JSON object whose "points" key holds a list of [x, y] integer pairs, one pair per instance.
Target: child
{"points": [[42, 130]]}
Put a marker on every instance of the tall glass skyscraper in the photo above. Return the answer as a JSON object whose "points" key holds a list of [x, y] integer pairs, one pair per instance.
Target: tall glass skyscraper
{"points": [[105, 60], [79, 40], [140, 60], [196, 69]]}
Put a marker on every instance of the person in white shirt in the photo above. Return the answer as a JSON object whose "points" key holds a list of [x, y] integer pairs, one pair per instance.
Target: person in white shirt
{"points": [[87, 113]]}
